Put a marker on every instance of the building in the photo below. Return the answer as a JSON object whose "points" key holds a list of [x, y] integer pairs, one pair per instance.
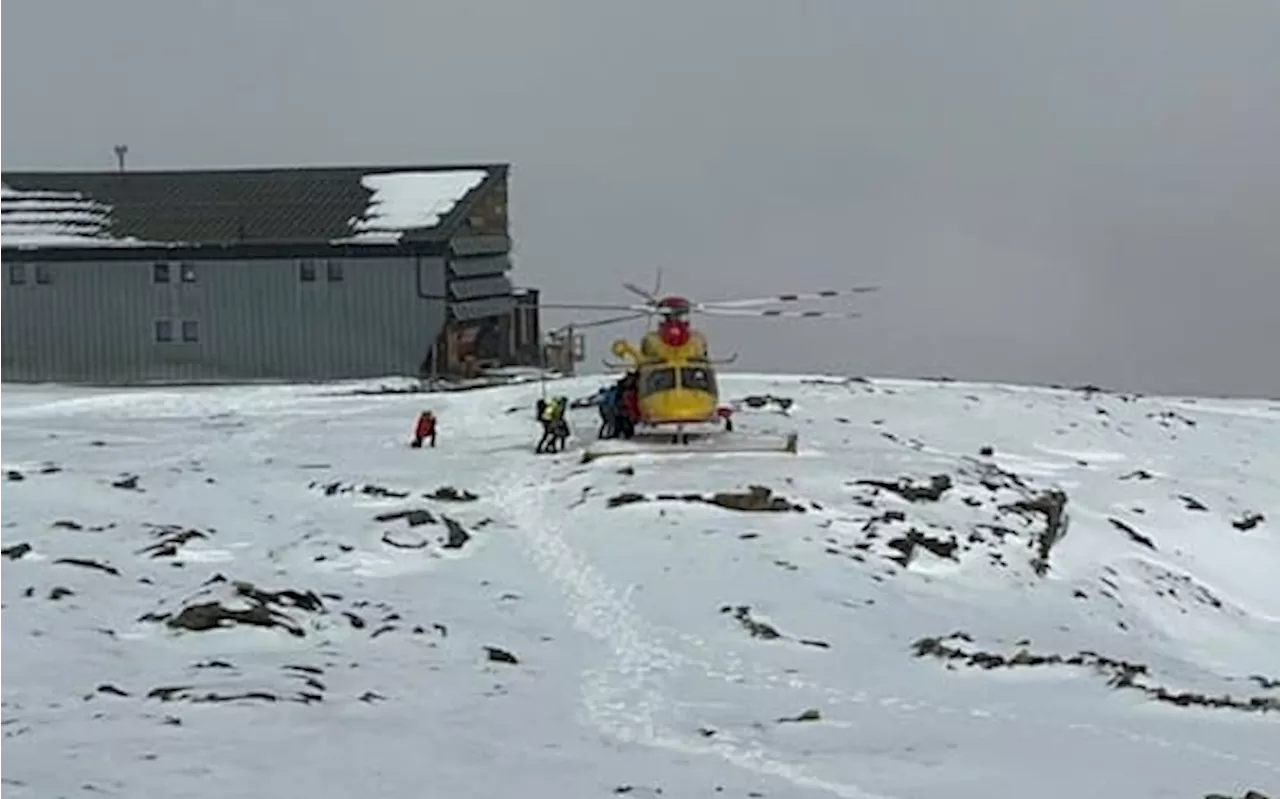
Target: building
{"points": [[259, 274]]}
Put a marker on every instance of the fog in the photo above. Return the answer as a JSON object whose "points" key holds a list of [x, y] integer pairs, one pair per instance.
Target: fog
{"points": [[1064, 192]]}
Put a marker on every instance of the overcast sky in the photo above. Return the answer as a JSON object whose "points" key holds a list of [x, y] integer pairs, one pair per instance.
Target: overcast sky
{"points": [[1048, 191]]}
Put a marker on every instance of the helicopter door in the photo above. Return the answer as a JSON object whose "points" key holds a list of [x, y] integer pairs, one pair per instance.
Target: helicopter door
{"points": [[698, 378], [654, 380]]}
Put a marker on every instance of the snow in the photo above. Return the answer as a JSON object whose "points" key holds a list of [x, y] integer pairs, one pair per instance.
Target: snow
{"points": [[634, 670], [407, 200], [39, 218]]}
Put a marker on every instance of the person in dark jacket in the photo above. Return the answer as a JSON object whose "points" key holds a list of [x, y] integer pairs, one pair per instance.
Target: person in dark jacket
{"points": [[608, 404], [629, 407]]}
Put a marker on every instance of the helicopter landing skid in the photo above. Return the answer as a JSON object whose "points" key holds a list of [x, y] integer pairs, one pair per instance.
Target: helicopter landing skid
{"points": [[685, 442]]}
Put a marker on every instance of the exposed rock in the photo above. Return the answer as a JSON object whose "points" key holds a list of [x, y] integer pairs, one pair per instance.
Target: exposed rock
{"points": [[1191, 503], [369, 490], [111, 690], [451, 494], [906, 546], [67, 524], [758, 629], [265, 609], [764, 630], [1119, 673], [500, 655], [1138, 474], [16, 551], [811, 714], [757, 401], [172, 539], [414, 517], [85, 563], [1052, 505], [128, 482], [13, 475], [755, 498], [58, 592], [457, 536], [404, 540], [1134, 536], [912, 491], [626, 498], [1248, 521]]}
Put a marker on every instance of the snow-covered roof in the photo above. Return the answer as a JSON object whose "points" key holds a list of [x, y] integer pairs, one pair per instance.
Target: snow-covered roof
{"points": [[237, 207], [404, 201], [42, 218]]}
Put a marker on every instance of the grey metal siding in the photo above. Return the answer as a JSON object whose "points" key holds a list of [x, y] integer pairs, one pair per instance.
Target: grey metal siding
{"points": [[95, 322]]}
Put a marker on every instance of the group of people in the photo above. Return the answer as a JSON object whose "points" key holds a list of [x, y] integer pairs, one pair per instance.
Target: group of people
{"points": [[619, 408], [619, 413]]}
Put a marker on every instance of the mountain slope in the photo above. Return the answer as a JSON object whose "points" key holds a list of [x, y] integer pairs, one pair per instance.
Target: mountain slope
{"points": [[956, 590]]}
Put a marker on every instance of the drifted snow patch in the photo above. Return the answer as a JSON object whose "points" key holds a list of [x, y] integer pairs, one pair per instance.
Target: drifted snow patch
{"points": [[407, 200], [40, 218]]}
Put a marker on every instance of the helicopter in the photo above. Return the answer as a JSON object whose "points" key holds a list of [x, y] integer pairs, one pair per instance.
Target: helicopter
{"points": [[676, 385]]}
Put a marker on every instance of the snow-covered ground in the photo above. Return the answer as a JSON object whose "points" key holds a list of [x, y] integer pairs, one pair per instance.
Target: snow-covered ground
{"points": [[663, 641]]}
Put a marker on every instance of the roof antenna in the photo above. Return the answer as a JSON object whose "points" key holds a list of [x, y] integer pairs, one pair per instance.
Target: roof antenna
{"points": [[121, 151]]}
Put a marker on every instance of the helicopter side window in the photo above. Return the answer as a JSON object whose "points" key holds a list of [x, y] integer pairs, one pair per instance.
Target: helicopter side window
{"points": [[657, 380], [697, 378]]}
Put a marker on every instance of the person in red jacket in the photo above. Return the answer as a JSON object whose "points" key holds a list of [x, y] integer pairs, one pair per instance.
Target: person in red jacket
{"points": [[424, 429]]}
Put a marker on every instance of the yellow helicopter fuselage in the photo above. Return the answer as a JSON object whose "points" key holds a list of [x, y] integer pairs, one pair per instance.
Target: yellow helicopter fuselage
{"points": [[677, 384]]}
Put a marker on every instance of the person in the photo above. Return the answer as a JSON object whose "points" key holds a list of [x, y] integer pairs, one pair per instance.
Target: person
{"points": [[629, 411], [608, 404], [424, 429], [553, 424], [560, 431]]}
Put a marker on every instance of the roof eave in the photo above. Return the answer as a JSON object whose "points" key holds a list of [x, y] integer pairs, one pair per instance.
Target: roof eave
{"points": [[260, 250]]}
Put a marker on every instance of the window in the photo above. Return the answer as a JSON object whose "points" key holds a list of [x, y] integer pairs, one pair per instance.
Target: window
{"points": [[306, 271], [160, 273], [334, 268], [697, 378], [663, 379], [190, 330], [43, 276], [188, 273], [17, 274], [164, 330]]}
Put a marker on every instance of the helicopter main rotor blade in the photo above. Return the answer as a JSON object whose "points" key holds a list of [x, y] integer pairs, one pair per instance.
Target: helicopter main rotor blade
{"points": [[571, 306], [613, 320], [634, 289], [773, 313], [814, 295]]}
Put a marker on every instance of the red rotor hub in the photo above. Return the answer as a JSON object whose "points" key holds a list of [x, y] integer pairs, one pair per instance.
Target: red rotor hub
{"points": [[674, 332]]}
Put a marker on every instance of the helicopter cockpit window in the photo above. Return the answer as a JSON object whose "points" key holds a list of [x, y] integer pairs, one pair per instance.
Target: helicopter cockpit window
{"points": [[697, 378], [657, 380]]}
